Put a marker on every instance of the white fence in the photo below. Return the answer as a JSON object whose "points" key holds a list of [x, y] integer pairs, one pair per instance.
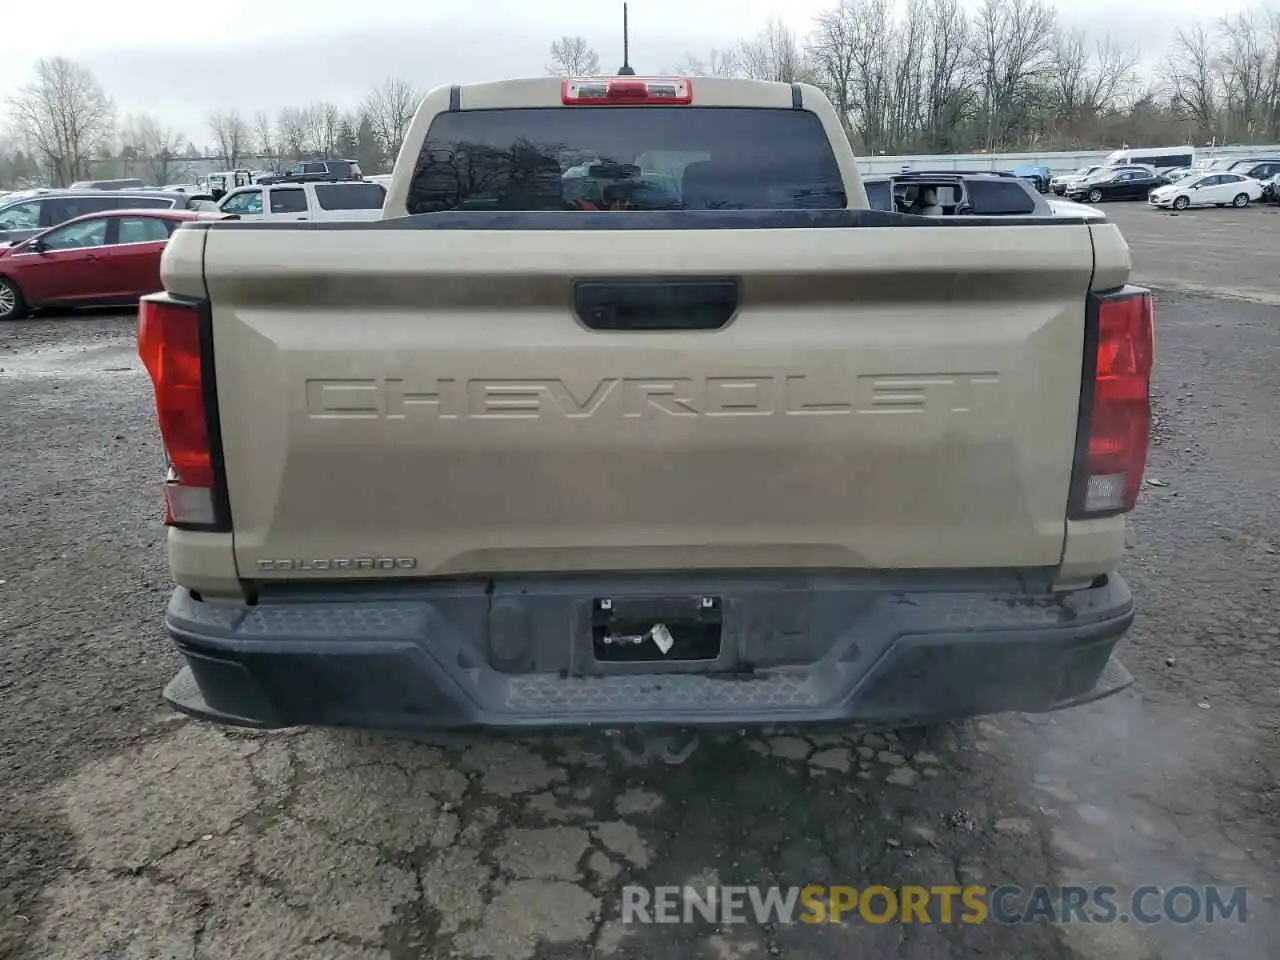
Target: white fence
{"points": [[1057, 162]]}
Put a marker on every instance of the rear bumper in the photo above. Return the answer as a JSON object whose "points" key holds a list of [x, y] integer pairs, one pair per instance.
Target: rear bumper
{"points": [[519, 655]]}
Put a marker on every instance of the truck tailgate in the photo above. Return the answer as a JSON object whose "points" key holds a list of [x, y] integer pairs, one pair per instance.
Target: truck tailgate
{"points": [[411, 402]]}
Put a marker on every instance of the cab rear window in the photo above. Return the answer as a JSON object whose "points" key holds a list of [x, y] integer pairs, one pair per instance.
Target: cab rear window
{"points": [[350, 196], [632, 158], [1000, 198]]}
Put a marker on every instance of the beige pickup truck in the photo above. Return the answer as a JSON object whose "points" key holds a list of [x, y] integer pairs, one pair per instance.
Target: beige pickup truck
{"points": [[631, 412]]}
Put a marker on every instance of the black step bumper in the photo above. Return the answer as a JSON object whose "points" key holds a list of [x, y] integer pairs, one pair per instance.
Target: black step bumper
{"points": [[517, 655]]}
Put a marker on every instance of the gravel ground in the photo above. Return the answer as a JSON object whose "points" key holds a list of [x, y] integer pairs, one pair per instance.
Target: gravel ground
{"points": [[1228, 253], [128, 833]]}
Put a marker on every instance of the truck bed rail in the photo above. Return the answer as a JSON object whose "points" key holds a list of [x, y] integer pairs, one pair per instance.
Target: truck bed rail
{"points": [[659, 220]]}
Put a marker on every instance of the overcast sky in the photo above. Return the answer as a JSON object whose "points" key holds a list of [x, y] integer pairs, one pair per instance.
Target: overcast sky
{"points": [[182, 63]]}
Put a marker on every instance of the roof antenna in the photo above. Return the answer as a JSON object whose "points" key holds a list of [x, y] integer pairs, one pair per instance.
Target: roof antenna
{"points": [[626, 70]]}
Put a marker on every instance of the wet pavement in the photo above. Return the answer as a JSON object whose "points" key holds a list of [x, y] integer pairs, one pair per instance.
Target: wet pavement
{"points": [[127, 832]]}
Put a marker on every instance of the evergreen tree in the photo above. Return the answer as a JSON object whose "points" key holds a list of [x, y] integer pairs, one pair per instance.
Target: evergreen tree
{"points": [[345, 144], [367, 150]]}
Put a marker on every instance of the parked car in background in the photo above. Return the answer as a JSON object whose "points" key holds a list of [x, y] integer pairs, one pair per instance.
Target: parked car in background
{"points": [[100, 258], [1207, 190], [1178, 173], [123, 183], [348, 200], [1271, 190], [23, 217], [219, 184], [1116, 183], [1038, 175], [1060, 183], [315, 170], [1261, 169]]}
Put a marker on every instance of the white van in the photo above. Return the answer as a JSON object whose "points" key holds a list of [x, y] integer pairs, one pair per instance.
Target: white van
{"points": [[1162, 158], [343, 200]]}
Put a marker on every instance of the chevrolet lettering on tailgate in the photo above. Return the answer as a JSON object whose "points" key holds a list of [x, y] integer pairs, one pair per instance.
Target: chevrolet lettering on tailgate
{"points": [[635, 397]]}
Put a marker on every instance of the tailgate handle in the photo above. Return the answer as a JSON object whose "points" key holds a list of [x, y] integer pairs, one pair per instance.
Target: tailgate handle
{"points": [[689, 304]]}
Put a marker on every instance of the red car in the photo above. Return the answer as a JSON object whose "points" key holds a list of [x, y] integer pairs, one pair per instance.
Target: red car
{"points": [[101, 258]]}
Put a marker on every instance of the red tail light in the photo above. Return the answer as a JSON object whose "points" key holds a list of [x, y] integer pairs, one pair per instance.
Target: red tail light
{"points": [[170, 345], [1115, 408], [606, 91]]}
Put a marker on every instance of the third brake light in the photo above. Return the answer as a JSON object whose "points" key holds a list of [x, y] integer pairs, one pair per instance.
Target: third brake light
{"points": [[626, 91]]}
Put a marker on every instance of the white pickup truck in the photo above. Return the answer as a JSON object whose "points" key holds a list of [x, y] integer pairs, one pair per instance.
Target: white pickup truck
{"points": [[631, 412], [342, 200]]}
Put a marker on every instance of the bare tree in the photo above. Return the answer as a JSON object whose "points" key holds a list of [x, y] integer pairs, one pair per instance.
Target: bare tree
{"points": [[719, 63], [1115, 74], [313, 130], [832, 55], [950, 94], [925, 75], [1191, 73], [1273, 74], [1014, 47], [330, 125], [157, 147], [870, 27], [264, 136], [1246, 70], [65, 117], [1070, 76], [1088, 83], [291, 126], [573, 57], [773, 54], [232, 136], [906, 116], [320, 123], [390, 108]]}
